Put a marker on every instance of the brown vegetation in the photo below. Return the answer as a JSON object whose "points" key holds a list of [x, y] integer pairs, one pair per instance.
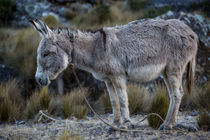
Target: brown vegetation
{"points": [[159, 105]]}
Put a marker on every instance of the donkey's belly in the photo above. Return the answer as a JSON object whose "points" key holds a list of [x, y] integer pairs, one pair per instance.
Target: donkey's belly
{"points": [[146, 73]]}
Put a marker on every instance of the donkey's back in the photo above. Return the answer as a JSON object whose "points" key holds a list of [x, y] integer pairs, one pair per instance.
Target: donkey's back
{"points": [[144, 49]]}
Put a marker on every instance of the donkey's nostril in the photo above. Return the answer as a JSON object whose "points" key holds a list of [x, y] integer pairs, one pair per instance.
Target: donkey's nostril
{"points": [[40, 80]]}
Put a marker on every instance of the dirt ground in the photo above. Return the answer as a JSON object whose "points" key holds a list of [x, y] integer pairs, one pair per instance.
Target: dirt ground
{"points": [[92, 128]]}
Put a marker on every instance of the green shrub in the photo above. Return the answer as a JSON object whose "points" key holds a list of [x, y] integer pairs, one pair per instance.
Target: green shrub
{"points": [[204, 121], [51, 21], [136, 98], [159, 105], [11, 102], [7, 8], [152, 12], [137, 4]]}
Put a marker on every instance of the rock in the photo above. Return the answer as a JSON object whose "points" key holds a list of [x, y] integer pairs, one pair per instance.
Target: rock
{"points": [[195, 113], [6, 73], [176, 4], [80, 8], [188, 117]]}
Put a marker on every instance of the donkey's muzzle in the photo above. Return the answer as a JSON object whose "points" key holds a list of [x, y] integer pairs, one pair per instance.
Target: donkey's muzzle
{"points": [[42, 81]]}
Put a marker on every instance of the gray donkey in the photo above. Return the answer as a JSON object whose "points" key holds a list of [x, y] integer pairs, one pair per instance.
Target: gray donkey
{"points": [[139, 51]]}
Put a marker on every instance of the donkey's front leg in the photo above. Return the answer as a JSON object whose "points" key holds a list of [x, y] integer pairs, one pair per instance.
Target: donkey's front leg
{"points": [[120, 87], [114, 102]]}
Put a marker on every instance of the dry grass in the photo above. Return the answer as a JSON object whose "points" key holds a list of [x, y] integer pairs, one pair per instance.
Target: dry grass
{"points": [[51, 21], [136, 97], [66, 136], [203, 103], [105, 102], [103, 15], [73, 104], [203, 98], [55, 106], [67, 106], [38, 101], [204, 121], [18, 49], [189, 100], [159, 105], [11, 102]]}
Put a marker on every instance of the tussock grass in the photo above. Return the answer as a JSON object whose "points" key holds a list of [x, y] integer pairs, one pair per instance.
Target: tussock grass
{"points": [[67, 106], [105, 102], [11, 102], [38, 101], [66, 136], [159, 104], [44, 98], [203, 98], [136, 98], [203, 104], [189, 101], [18, 49], [32, 106], [104, 15], [7, 8], [204, 121], [80, 111], [137, 4], [55, 106], [51, 21], [73, 104]]}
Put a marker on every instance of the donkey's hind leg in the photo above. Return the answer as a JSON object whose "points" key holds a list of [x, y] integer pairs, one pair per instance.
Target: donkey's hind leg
{"points": [[173, 82], [114, 102]]}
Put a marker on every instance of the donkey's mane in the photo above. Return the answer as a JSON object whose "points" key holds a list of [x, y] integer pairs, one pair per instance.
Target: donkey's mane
{"points": [[67, 32]]}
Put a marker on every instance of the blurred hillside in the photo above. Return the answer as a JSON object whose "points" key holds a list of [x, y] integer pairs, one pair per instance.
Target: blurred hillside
{"points": [[19, 41]]}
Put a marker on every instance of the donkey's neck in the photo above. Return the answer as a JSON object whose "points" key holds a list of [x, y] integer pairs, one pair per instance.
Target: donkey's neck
{"points": [[84, 49]]}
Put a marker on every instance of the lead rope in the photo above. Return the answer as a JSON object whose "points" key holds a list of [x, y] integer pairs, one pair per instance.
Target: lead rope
{"points": [[42, 113]]}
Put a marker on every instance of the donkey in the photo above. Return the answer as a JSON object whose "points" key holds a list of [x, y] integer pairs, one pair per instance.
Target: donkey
{"points": [[139, 51]]}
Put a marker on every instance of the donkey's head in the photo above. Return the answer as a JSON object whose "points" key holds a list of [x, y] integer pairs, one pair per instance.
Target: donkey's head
{"points": [[52, 54]]}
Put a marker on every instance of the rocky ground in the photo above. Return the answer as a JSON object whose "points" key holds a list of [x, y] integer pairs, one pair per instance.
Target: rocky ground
{"points": [[92, 128]]}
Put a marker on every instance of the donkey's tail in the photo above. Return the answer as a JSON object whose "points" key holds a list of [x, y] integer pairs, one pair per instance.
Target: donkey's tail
{"points": [[190, 75]]}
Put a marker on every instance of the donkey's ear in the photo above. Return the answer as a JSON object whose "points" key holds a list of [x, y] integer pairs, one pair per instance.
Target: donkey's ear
{"points": [[41, 27]]}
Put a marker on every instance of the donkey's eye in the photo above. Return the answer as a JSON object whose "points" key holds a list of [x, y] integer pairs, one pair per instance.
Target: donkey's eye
{"points": [[45, 54]]}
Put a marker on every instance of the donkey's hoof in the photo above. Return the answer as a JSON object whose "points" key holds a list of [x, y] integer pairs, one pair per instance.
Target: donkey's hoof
{"points": [[127, 125], [191, 128], [116, 122], [110, 129], [165, 127]]}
